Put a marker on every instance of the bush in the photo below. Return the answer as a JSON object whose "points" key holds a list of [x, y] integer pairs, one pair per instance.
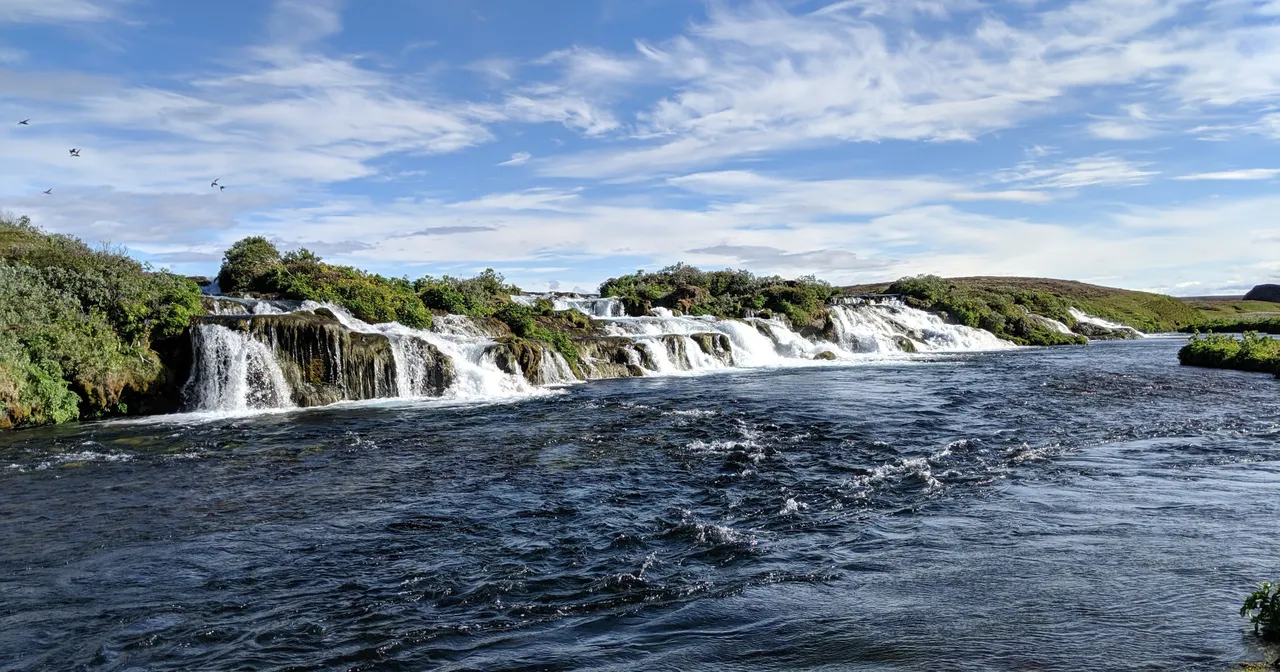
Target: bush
{"points": [[303, 276], [1262, 608], [725, 294], [248, 265], [76, 326], [481, 296], [1251, 352]]}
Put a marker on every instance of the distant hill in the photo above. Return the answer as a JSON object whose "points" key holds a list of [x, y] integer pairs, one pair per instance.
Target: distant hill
{"points": [[1141, 310]]}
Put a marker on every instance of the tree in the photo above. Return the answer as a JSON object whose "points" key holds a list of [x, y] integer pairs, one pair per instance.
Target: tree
{"points": [[247, 264]]}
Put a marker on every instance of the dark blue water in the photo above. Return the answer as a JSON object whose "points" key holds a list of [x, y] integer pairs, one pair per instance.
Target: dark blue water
{"points": [[1066, 509]]}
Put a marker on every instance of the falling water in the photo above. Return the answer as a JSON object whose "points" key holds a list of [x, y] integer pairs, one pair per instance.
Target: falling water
{"points": [[233, 372]]}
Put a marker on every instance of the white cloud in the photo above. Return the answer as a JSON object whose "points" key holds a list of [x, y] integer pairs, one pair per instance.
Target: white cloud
{"points": [[757, 78], [1090, 171], [1119, 130], [517, 159], [1242, 174], [59, 11]]}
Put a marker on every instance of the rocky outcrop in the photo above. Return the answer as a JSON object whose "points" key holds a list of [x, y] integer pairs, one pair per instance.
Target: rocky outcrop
{"points": [[1264, 293], [717, 345], [538, 362], [324, 362], [610, 357], [1097, 332], [220, 306]]}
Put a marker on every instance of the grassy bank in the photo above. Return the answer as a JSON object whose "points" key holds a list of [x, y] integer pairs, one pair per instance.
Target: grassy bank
{"points": [[1141, 310], [1250, 352], [80, 328]]}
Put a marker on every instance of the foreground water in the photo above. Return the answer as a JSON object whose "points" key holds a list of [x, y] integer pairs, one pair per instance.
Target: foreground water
{"points": [[1078, 508]]}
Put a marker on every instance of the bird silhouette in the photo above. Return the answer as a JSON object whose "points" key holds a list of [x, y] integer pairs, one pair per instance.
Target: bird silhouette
{"points": [[49, 190], [75, 152], [221, 188], [24, 122], [214, 183]]}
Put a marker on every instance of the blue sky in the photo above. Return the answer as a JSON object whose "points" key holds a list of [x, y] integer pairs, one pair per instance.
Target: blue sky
{"points": [[1125, 142]]}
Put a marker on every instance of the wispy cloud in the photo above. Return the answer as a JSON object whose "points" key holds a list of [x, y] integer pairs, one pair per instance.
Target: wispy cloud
{"points": [[1090, 171], [1242, 174], [517, 159], [59, 11]]}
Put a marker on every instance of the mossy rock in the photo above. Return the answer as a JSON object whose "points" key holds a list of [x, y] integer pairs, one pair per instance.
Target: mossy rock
{"points": [[825, 355]]}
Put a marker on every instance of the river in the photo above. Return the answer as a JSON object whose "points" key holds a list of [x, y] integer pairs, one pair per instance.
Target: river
{"points": [[1092, 507]]}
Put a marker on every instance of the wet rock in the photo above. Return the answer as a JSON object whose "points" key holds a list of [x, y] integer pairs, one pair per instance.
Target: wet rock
{"points": [[825, 355], [324, 362]]}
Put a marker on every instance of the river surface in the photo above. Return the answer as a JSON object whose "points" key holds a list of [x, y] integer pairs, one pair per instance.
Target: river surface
{"points": [[1089, 508]]}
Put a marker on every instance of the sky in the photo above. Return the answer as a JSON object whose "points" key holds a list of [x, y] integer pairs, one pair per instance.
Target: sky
{"points": [[1130, 143]]}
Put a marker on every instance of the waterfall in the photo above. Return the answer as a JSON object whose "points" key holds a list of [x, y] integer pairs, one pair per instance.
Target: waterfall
{"points": [[887, 327], [234, 372], [283, 354], [476, 376], [1094, 324], [592, 306]]}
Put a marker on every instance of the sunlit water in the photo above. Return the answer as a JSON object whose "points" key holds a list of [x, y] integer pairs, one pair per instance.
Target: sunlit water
{"points": [[1066, 509]]}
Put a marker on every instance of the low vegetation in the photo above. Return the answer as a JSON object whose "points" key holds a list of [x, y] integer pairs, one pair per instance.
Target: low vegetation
{"points": [[1262, 608], [1151, 313], [1238, 325], [1250, 352], [726, 293], [1006, 311], [79, 326]]}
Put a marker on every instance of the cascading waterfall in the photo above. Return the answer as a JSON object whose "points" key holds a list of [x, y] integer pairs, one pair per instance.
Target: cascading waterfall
{"points": [[1082, 317], [475, 374], [882, 326], [592, 306], [302, 356], [233, 372]]}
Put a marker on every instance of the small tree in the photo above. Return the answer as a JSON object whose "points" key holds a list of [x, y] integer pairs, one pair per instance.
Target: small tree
{"points": [[1262, 608], [247, 263]]}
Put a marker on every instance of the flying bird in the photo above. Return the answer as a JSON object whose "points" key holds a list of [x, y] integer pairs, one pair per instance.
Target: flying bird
{"points": [[221, 188], [49, 190], [214, 183], [24, 122], [75, 152]]}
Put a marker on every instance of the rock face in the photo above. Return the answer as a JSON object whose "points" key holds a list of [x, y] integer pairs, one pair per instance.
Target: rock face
{"points": [[610, 357], [324, 362], [1095, 332], [1264, 293], [536, 361]]}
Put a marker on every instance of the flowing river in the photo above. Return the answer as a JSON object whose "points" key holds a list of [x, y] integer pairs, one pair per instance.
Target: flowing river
{"points": [[1093, 507]]}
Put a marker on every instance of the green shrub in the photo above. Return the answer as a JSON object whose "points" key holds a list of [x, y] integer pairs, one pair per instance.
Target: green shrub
{"points": [[248, 266], [1262, 608], [1251, 352], [724, 294], [303, 276], [481, 296], [77, 324]]}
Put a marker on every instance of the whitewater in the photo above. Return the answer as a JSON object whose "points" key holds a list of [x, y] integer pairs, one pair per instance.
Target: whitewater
{"points": [[236, 372]]}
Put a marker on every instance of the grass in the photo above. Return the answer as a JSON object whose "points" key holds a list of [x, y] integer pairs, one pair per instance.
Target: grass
{"points": [[1141, 310]]}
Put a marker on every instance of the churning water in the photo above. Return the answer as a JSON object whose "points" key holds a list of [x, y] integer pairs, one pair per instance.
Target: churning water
{"points": [[1092, 507]]}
